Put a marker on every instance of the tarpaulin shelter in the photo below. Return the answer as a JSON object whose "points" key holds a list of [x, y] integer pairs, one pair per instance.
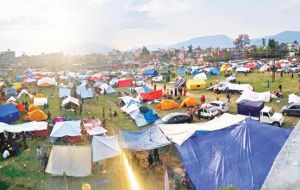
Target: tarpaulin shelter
{"points": [[255, 96], [19, 78], [33, 108], [189, 102], [251, 66], [108, 89], [165, 71], [167, 104], [285, 171], [73, 102], [40, 101], [66, 128], [10, 92], [24, 92], [26, 127], [180, 82], [194, 84], [37, 115], [46, 82], [64, 92], [8, 113], [200, 76], [294, 98], [250, 108], [125, 83], [93, 126], [72, 160], [84, 92], [149, 96], [142, 89], [17, 86], [214, 71], [143, 140], [98, 84], [179, 133], [239, 156], [132, 108], [195, 72], [105, 147], [182, 71], [150, 72], [242, 69]]}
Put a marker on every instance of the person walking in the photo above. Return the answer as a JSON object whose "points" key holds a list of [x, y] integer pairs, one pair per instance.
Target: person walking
{"points": [[175, 92], [184, 92], [292, 75], [171, 92], [165, 87], [154, 87], [39, 154]]}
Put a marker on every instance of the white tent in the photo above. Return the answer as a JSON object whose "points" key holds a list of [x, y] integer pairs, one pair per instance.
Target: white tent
{"points": [[179, 133], [93, 126], [24, 92], [70, 99], [26, 127], [2, 127], [11, 100], [46, 81], [200, 76], [66, 128], [239, 87], [242, 69], [133, 109], [40, 101], [105, 147], [71, 160], [254, 96], [29, 80], [293, 98], [285, 172]]}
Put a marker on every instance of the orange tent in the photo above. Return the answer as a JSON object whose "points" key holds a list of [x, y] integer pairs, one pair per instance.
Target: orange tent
{"points": [[189, 102], [167, 104], [33, 108], [37, 115]]}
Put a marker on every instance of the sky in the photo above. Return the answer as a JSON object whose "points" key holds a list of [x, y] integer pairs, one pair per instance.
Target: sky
{"points": [[35, 26]]}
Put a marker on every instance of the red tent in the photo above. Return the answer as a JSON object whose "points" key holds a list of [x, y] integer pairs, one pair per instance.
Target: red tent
{"points": [[250, 66], [125, 83], [152, 95]]}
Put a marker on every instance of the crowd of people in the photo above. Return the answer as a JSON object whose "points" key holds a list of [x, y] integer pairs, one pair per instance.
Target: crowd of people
{"points": [[11, 144]]}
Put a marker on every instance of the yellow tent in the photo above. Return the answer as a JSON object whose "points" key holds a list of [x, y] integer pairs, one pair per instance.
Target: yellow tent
{"points": [[33, 108], [37, 115], [193, 84], [224, 67], [17, 86], [167, 104], [39, 96], [189, 102]]}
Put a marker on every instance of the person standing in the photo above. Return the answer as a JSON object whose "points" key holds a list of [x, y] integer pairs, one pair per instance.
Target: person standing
{"points": [[171, 92], [292, 75], [156, 155], [184, 92], [39, 153], [175, 92], [165, 87], [154, 87]]}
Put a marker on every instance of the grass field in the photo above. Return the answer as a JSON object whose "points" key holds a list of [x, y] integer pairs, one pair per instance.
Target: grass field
{"points": [[24, 172]]}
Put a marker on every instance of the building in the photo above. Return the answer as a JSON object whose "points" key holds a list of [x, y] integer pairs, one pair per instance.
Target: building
{"points": [[294, 46], [8, 58]]}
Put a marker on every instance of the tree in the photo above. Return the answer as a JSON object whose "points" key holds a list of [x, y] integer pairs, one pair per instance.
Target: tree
{"points": [[271, 44], [264, 42], [190, 48], [145, 54], [242, 41]]}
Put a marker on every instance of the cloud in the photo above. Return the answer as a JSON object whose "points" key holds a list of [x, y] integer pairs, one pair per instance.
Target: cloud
{"points": [[159, 6]]}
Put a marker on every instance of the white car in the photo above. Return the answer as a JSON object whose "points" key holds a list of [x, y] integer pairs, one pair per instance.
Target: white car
{"points": [[208, 111], [140, 83], [220, 105], [158, 79]]}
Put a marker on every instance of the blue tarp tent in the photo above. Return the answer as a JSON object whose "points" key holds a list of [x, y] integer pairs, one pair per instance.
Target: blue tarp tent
{"points": [[150, 72], [214, 71], [182, 71], [64, 92], [240, 156], [8, 113], [19, 78], [143, 140], [10, 92], [195, 72], [150, 117], [86, 93]]}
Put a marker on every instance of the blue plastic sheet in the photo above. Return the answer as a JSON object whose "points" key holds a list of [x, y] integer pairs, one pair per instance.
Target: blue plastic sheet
{"points": [[150, 72], [147, 139], [150, 117], [239, 156], [64, 92], [8, 113], [182, 71]]}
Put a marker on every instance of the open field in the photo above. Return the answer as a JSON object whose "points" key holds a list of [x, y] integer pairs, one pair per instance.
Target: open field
{"points": [[24, 172]]}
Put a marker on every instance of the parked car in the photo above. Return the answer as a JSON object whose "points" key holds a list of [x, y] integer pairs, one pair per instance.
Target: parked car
{"points": [[208, 111], [175, 118], [291, 109], [220, 105], [140, 83], [158, 79]]}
